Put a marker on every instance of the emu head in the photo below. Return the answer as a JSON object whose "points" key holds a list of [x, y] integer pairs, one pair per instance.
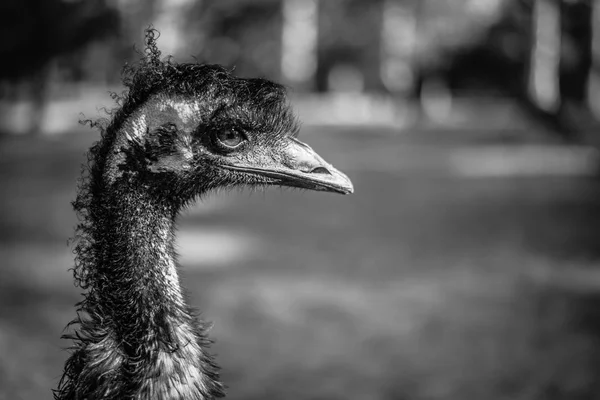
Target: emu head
{"points": [[199, 128]]}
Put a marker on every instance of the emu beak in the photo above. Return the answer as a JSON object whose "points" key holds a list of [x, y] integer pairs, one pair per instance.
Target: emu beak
{"points": [[297, 165], [304, 168]]}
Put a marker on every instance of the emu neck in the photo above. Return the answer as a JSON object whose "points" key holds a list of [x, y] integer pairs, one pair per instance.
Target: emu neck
{"points": [[138, 265], [157, 343]]}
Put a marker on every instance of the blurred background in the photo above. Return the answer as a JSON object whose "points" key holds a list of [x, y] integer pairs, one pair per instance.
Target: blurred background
{"points": [[465, 266]]}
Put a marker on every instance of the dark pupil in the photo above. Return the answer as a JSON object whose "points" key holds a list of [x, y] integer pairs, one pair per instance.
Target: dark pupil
{"points": [[230, 138]]}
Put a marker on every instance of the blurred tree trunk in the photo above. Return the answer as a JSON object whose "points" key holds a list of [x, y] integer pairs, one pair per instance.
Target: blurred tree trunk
{"points": [[300, 32], [39, 98], [399, 46], [593, 92], [543, 80], [560, 64]]}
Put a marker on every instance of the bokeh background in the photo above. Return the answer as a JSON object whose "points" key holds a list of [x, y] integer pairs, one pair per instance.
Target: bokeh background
{"points": [[465, 266]]}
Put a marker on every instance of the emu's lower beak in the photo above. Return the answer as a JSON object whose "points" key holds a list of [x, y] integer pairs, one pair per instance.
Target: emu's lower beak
{"points": [[297, 165]]}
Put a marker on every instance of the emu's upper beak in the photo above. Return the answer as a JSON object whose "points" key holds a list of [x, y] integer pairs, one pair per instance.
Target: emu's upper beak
{"points": [[300, 166]]}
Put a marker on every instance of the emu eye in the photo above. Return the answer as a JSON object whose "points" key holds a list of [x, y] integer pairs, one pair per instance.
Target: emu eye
{"points": [[231, 138]]}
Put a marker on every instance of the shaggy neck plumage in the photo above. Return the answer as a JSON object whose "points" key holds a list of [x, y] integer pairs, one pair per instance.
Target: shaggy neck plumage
{"points": [[137, 338], [137, 277]]}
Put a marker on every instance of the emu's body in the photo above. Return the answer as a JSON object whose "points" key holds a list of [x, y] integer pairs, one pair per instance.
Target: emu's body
{"points": [[181, 130]]}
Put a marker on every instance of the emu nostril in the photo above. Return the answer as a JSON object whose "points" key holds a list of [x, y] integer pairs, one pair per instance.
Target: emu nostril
{"points": [[320, 170]]}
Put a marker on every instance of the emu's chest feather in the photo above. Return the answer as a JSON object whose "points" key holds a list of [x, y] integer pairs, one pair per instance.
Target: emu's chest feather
{"points": [[164, 364]]}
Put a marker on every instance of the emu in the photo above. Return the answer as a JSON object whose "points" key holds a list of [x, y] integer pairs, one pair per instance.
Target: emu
{"points": [[180, 130]]}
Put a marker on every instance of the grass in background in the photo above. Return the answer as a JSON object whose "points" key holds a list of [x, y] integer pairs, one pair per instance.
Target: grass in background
{"points": [[418, 286]]}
